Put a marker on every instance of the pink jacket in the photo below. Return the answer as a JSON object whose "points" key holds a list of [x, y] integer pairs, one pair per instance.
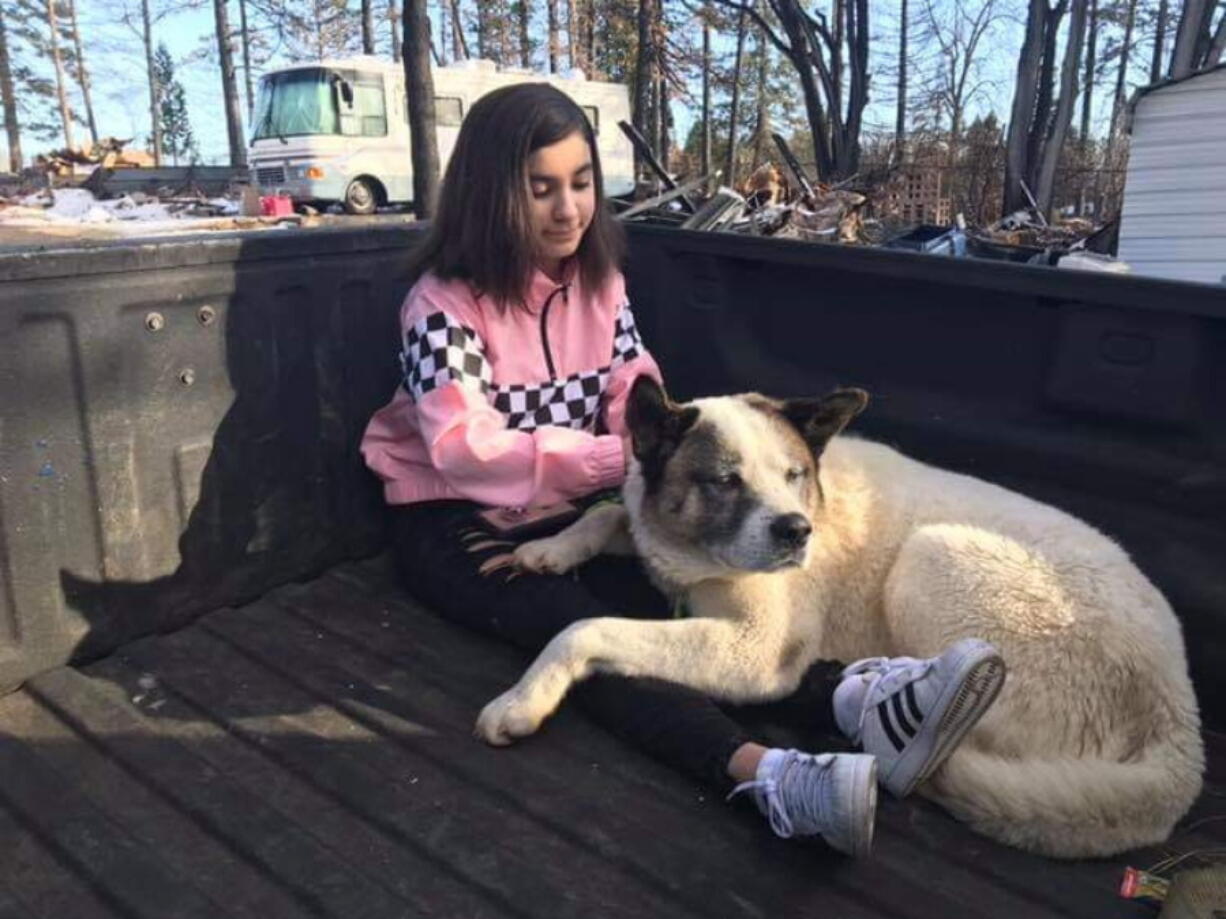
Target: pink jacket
{"points": [[504, 408]]}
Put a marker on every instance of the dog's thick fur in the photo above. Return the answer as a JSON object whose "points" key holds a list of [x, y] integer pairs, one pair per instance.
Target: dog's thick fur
{"points": [[1093, 746]]}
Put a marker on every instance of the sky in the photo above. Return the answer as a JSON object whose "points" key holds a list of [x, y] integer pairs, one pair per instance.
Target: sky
{"points": [[115, 58]]}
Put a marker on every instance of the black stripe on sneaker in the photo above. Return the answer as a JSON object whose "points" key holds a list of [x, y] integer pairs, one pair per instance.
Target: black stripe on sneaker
{"points": [[883, 714], [900, 716], [913, 705]]}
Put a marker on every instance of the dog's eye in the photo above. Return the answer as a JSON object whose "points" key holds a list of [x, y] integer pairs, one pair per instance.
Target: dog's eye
{"points": [[796, 473], [727, 480]]}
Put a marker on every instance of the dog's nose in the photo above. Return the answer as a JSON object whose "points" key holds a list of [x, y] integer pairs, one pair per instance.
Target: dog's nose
{"points": [[791, 529]]}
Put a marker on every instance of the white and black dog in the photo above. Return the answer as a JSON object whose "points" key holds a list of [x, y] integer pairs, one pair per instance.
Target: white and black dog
{"points": [[790, 544]]}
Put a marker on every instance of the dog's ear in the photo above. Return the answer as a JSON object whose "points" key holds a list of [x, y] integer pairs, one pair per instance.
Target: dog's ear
{"points": [[820, 419], [656, 424]]}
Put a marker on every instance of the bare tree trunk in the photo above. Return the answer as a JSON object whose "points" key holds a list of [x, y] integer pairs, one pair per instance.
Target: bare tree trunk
{"points": [[900, 118], [762, 117], [419, 88], [1087, 101], [1025, 94], [8, 98], [482, 32], [246, 42], [1217, 46], [574, 35], [1155, 63], [368, 28], [1118, 100], [587, 18], [394, 21], [735, 104], [61, 91], [665, 114], [229, 85], [1064, 106], [82, 72], [704, 148], [644, 70], [459, 44], [551, 15], [524, 14], [1183, 58], [1087, 98], [155, 91]]}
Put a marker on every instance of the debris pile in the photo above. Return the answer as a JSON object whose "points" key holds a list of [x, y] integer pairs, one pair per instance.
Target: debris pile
{"points": [[108, 152], [765, 204], [783, 202]]}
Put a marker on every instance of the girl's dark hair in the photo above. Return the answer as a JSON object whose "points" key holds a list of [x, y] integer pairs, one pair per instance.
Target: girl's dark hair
{"points": [[481, 232]]}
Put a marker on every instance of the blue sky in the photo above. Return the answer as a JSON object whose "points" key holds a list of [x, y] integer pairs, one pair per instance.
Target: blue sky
{"points": [[115, 57]]}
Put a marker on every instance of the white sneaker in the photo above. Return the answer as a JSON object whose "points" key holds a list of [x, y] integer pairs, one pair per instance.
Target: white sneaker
{"points": [[911, 714], [832, 795]]}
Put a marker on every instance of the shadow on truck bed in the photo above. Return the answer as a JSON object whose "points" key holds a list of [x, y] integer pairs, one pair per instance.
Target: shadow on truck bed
{"points": [[296, 740]]}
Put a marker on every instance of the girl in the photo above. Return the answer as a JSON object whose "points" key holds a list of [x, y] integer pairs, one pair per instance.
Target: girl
{"points": [[519, 349]]}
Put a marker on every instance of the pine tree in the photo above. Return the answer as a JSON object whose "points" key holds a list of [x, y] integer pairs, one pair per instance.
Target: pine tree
{"points": [[177, 137]]}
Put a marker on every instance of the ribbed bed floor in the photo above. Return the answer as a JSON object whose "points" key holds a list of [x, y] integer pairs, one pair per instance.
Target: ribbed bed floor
{"points": [[311, 755]]}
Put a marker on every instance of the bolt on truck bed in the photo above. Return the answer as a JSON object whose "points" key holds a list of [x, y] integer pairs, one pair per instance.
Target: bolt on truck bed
{"points": [[221, 703]]}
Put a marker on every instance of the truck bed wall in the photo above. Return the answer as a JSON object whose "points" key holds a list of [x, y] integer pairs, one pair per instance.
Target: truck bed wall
{"points": [[179, 421]]}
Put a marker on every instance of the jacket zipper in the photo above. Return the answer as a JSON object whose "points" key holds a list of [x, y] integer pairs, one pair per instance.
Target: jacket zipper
{"points": [[564, 291]]}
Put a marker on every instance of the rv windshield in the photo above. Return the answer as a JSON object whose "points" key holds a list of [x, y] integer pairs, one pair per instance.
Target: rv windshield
{"points": [[317, 100]]}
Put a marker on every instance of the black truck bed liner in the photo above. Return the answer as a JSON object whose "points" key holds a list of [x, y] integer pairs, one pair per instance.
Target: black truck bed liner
{"points": [[310, 754]]}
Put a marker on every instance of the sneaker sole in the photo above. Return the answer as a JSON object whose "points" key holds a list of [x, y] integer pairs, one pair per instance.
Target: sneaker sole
{"points": [[864, 789], [971, 697]]}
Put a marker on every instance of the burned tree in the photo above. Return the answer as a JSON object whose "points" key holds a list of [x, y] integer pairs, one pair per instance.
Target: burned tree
{"points": [[245, 42], [1198, 45], [368, 28], [1041, 117], [82, 73], [419, 90], [8, 98], [57, 59], [1155, 62], [834, 87], [229, 85]]}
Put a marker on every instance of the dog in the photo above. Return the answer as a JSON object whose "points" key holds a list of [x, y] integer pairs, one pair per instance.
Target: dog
{"points": [[790, 542]]}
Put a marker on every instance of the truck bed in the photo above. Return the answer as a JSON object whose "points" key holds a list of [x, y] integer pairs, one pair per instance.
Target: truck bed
{"points": [[310, 754]]}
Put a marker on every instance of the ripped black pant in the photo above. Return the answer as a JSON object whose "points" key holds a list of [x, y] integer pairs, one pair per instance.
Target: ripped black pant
{"points": [[677, 725]]}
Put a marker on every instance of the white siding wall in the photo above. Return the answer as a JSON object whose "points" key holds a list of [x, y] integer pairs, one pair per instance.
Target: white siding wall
{"points": [[1174, 219]]}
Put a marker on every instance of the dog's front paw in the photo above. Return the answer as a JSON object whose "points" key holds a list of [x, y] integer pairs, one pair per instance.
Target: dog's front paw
{"points": [[553, 555], [508, 718]]}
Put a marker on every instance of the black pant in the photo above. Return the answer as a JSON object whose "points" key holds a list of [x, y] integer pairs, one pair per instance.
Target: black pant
{"points": [[440, 547]]}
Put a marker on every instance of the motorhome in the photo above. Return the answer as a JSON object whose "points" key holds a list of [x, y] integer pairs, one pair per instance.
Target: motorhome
{"points": [[338, 130]]}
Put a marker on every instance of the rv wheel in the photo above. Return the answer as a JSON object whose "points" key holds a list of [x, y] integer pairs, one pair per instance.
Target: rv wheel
{"points": [[360, 198]]}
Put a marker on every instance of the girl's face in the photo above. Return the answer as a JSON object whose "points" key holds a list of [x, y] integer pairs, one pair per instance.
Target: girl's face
{"points": [[561, 198]]}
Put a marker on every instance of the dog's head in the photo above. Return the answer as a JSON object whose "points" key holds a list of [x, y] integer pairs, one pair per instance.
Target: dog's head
{"points": [[734, 478]]}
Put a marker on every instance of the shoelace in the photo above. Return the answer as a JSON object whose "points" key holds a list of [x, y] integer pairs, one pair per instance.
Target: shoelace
{"points": [[886, 673], [803, 790]]}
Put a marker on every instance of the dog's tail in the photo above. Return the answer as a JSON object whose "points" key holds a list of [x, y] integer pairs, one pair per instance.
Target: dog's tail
{"points": [[1073, 808]]}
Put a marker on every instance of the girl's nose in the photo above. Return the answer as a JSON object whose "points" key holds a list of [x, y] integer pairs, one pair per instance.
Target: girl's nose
{"points": [[564, 208]]}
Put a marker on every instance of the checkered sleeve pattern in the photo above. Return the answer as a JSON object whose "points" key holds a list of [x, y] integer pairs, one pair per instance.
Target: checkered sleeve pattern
{"points": [[573, 402], [627, 345], [438, 350]]}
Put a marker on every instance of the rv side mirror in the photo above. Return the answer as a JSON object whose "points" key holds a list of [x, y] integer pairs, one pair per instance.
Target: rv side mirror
{"points": [[346, 92]]}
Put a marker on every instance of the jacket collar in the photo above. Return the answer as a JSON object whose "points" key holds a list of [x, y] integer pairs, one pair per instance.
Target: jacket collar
{"points": [[541, 286]]}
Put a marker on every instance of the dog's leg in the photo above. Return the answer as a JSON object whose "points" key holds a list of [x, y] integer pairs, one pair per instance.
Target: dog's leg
{"points": [[602, 529], [706, 654]]}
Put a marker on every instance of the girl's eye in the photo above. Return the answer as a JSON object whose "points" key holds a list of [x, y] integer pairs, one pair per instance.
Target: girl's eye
{"points": [[796, 473], [583, 186], [540, 191]]}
